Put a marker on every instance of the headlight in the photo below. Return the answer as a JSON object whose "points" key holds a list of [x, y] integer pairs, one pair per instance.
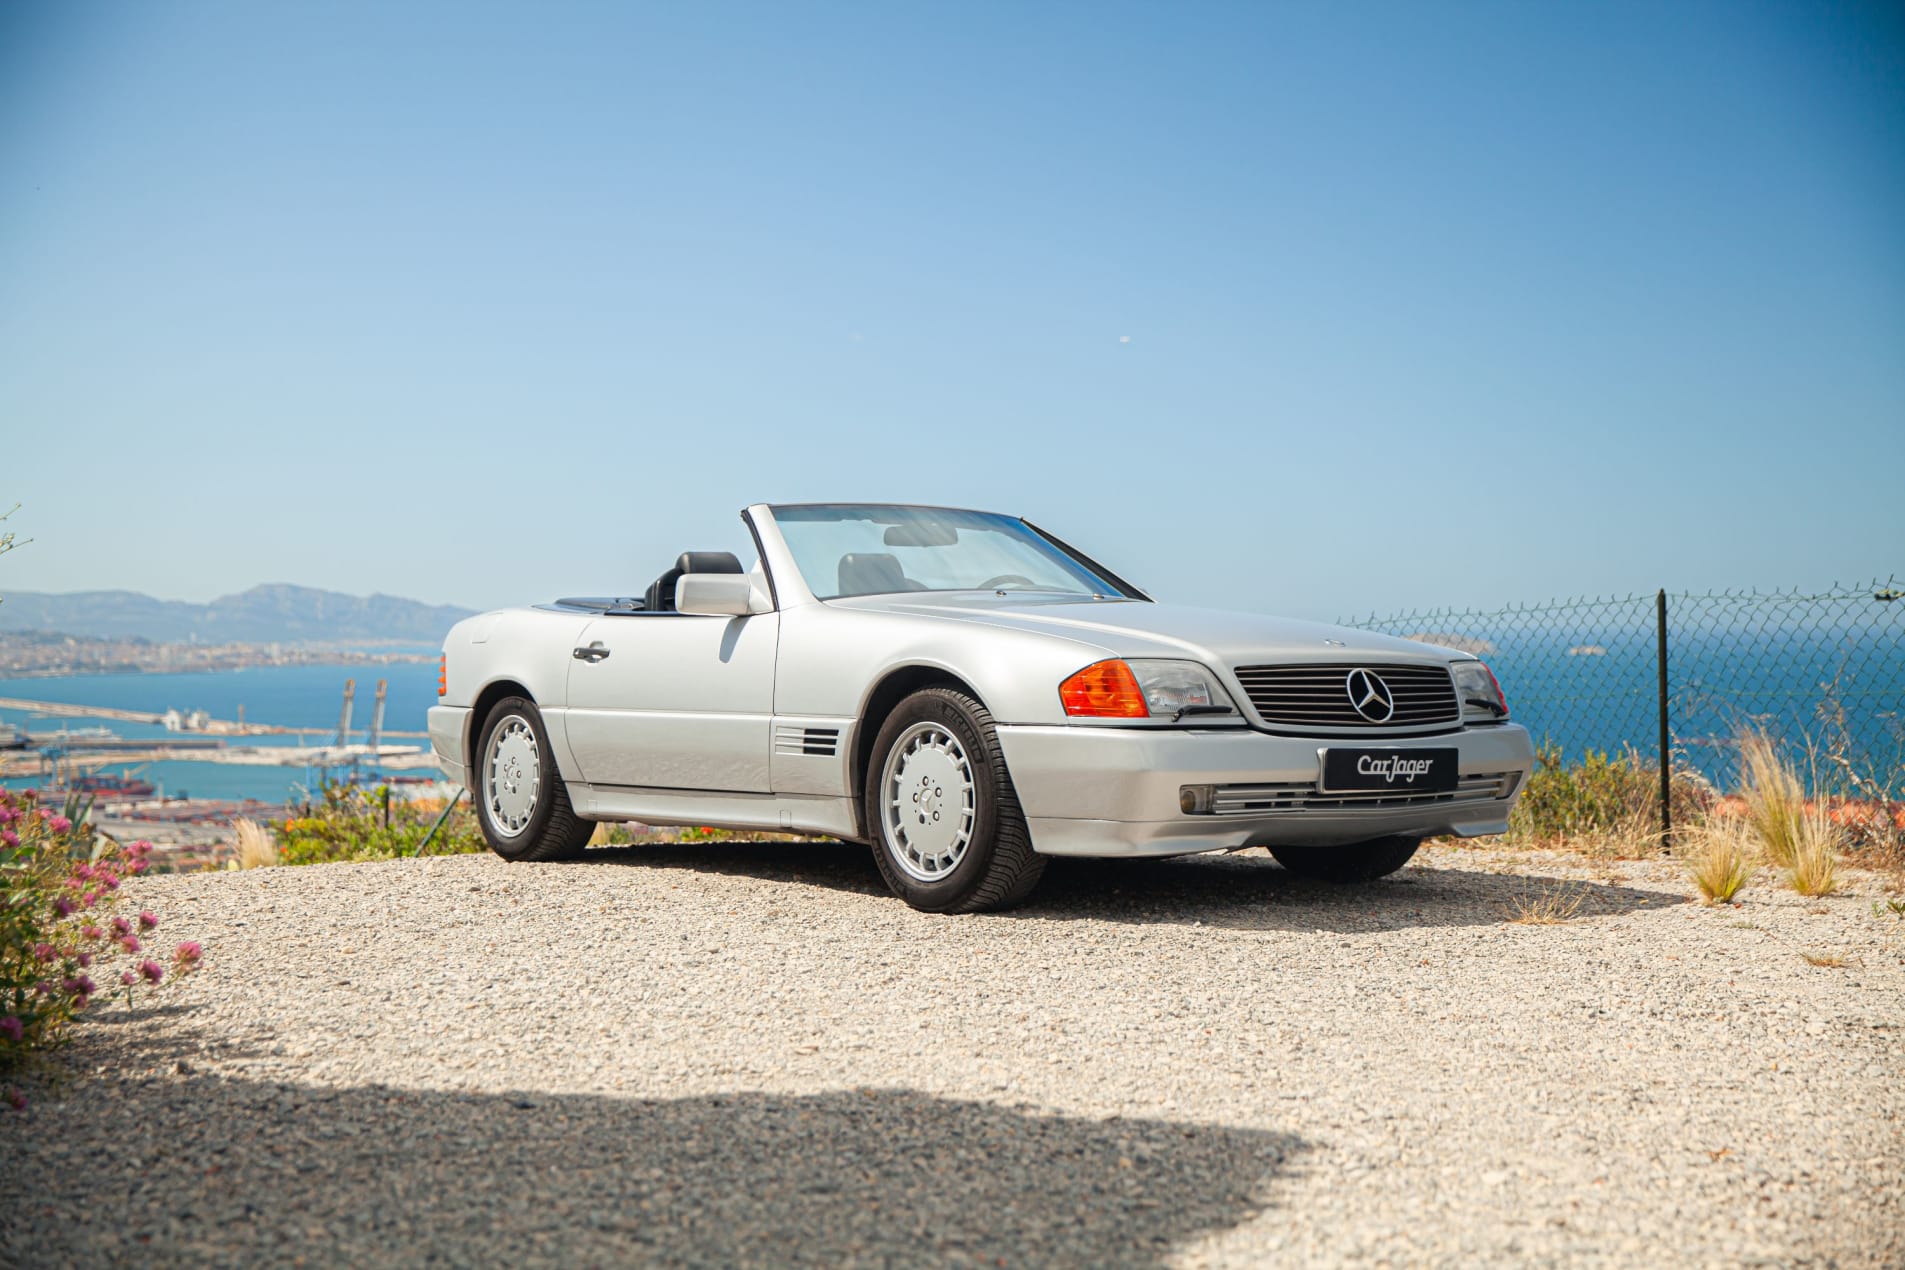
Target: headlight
{"points": [[1480, 695], [1168, 691]]}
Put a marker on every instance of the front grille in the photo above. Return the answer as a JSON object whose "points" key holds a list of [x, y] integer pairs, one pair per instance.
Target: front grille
{"points": [[1318, 696], [1295, 796]]}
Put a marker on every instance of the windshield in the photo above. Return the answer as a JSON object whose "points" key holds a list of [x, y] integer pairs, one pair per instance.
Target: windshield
{"points": [[848, 549]]}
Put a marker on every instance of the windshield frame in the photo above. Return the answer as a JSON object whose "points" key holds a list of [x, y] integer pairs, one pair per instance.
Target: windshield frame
{"points": [[1105, 585]]}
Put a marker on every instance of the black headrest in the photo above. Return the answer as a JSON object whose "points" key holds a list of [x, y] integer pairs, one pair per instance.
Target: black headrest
{"points": [[708, 562], [871, 573]]}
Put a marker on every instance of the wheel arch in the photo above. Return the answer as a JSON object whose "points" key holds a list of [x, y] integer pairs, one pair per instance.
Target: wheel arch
{"points": [[486, 700], [893, 687]]}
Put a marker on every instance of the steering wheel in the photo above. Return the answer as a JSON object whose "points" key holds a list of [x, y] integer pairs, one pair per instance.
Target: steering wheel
{"points": [[992, 583]]}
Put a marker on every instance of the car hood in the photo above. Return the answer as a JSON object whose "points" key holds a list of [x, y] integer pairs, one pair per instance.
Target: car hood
{"points": [[1134, 628]]}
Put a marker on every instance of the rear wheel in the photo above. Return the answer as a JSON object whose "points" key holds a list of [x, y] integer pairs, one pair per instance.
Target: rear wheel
{"points": [[521, 802], [1357, 862], [941, 811]]}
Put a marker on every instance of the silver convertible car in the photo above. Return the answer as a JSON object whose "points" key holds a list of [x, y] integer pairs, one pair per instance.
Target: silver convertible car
{"points": [[969, 696]]}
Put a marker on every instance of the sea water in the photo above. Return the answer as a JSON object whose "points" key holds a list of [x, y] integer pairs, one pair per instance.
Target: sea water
{"points": [[305, 696]]}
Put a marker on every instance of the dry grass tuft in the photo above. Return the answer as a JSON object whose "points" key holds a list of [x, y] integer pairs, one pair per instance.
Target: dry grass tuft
{"points": [[1775, 797], [1553, 905], [1718, 855], [1800, 838], [256, 850], [1815, 866], [1826, 960]]}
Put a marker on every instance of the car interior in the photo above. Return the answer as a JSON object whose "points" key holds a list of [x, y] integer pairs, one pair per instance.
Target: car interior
{"points": [[874, 573], [660, 597]]}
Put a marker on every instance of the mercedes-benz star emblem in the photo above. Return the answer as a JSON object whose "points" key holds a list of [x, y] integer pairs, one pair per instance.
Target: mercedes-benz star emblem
{"points": [[1370, 695]]}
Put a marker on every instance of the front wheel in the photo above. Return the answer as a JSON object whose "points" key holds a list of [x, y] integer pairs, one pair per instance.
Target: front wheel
{"points": [[521, 802], [941, 811], [1357, 862]]}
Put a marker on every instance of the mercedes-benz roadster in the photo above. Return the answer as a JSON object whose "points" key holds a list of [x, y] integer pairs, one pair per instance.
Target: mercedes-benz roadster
{"points": [[969, 696]]}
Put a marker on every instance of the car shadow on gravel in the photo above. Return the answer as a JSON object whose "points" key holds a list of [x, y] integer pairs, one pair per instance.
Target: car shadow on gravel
{"points": [[190, 1168], [1247, 891], [1251, 892]]}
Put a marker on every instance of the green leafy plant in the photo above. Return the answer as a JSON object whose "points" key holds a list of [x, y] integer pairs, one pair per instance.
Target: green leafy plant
{"points": [[349, 822], [1606, 803]]}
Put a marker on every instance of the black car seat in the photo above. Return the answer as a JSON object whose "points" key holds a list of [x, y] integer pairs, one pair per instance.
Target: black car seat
{"points": [[661, 592], [874, 573]]}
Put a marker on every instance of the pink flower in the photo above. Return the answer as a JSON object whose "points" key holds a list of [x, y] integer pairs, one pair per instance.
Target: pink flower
{"points": [[81, 986], [120, 926], [43, 952], [90, 931], [7, 814], [147, 921], [12, 1028], [9, 837], [128, 978], [109, 879], [85, 960], [187, 954], [63, 906], [152, 970], [130, 943], [58, 824]]}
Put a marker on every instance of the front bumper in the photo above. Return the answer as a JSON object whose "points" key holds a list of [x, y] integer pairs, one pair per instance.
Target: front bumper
{"points": [[449, 739], [1100, 791]]}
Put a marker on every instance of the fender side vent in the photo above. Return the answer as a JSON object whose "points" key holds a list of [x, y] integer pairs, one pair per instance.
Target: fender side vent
{"points": [[815, 742]]}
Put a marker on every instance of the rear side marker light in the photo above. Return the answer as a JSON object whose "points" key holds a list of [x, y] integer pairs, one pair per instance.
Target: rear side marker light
{"points": [[1104, 690], [443, 674]]}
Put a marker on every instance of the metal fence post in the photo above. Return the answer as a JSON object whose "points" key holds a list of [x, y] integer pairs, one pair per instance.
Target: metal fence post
{"points": [[1666, 737]]}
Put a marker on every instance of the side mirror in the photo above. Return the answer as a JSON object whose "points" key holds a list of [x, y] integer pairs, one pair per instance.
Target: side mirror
{"points": [[719, 595]]}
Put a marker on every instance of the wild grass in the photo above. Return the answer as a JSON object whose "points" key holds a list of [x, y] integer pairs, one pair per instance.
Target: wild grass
{"points": [[256, 850], [1826, 961], [1717, 852], [1815, 866], [1798, 835], [1775, 797], [1552, 905]]}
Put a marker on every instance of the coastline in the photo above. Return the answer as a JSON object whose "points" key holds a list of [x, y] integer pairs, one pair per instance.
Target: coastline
{"points": [[48, 655]]}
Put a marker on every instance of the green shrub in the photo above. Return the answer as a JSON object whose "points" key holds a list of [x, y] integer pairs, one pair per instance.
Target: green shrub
{"points": [[352, 823], [1603, 797]]}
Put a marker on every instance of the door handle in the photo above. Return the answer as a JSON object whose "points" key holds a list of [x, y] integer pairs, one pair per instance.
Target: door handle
{"points": [[592, 654]]}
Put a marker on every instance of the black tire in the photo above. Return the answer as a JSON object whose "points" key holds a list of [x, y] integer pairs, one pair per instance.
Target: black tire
{"points": [[1357, 862], [998, 867], [552, 830]]}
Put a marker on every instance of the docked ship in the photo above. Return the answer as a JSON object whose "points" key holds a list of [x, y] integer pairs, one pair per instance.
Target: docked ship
{"points": [[103, 785]]}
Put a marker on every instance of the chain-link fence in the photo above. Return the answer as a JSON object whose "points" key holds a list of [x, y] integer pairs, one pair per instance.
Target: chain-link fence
{"points": [[1823, 673]]}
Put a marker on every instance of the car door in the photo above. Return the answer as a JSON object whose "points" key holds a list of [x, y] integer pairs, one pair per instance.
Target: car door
{"points": [[674, 701]]}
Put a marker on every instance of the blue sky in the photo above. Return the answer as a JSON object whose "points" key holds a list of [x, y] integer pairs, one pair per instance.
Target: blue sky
{"points": [[1306, 308]]}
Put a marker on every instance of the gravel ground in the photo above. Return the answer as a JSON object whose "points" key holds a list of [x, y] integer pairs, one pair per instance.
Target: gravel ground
{"points": [[738, 1054]]}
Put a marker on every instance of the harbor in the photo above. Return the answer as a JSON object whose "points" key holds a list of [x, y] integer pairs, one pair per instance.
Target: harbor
{"points": [[166, 748]]}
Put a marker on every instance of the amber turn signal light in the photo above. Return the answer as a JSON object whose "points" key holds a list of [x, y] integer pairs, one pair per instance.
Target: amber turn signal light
{"points": [[443, 674], [1104, 690]]}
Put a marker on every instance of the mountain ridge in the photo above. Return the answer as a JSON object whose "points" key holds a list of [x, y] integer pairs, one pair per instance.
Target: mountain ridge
{"points": [[271, 612]]}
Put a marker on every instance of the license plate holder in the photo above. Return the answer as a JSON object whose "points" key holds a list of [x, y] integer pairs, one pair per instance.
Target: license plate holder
{"points": [[1368, 770]]}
